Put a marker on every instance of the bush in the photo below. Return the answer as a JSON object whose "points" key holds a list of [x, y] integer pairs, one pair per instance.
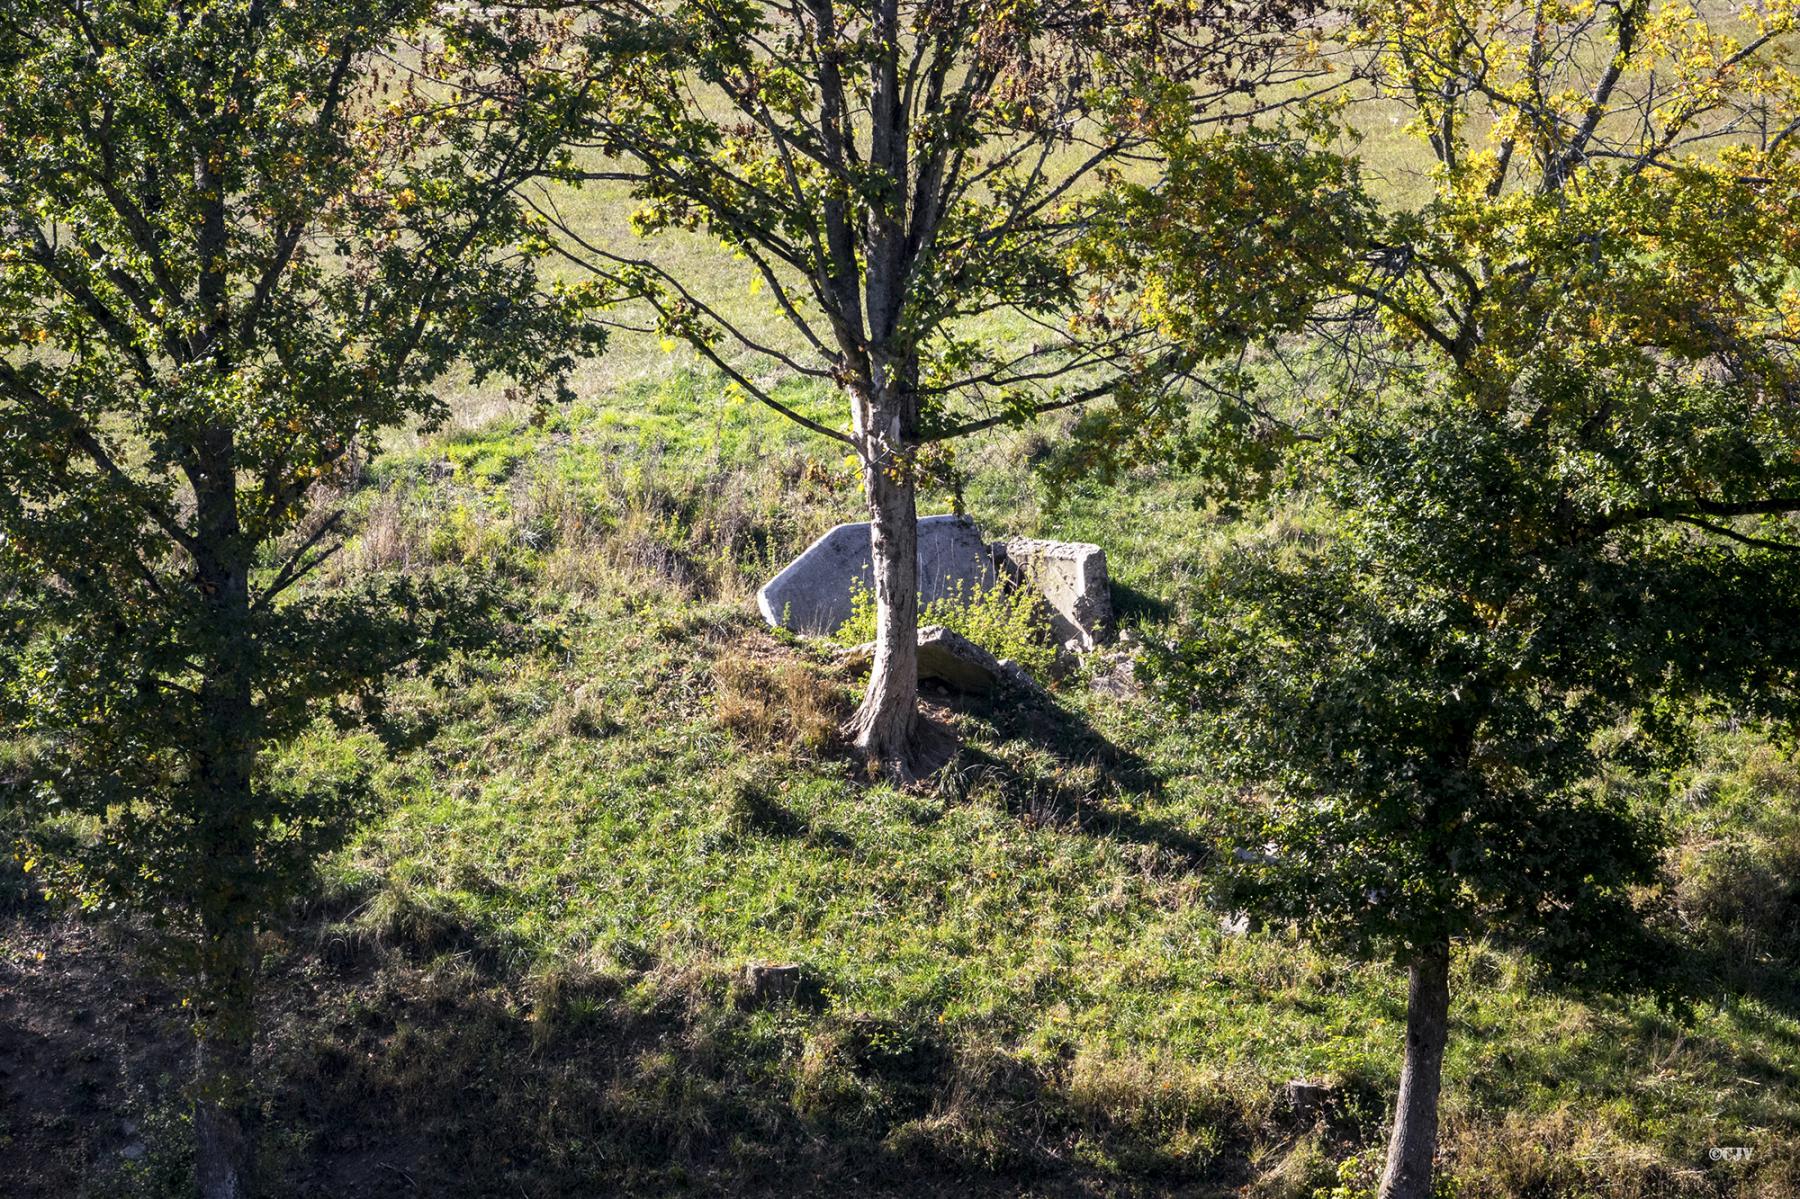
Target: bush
{"points": [[1007, 620]]}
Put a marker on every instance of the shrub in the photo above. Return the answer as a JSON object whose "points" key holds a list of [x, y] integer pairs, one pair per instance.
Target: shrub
{"points": [[1007, 620]]}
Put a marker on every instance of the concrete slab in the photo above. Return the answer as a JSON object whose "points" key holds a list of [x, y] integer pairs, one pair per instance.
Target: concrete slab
{"points": [[951, 658], [812, 595]]}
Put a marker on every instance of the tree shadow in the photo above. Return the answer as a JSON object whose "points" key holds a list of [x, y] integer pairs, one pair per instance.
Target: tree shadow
{"points": [[1087, 775], [1724, 975], [454, 1083], [758, 809], [1685, 966], [82, 1033], [430, 1066]]}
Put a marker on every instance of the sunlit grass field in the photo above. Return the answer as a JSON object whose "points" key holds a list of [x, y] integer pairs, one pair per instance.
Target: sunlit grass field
{"points": [[529, 973], [1013, 981]]}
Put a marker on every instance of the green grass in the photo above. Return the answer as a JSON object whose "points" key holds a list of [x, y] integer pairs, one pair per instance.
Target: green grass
{"points": [[527, 974], [1013, 980]]}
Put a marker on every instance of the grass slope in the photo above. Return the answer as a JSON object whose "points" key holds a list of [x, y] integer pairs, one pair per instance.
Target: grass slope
{"points": [[528, 976]]}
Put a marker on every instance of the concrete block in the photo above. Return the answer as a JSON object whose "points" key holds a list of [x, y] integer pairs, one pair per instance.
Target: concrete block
{"points": [[812, 595], [951, 658], [1072, 576], [768, 981]]}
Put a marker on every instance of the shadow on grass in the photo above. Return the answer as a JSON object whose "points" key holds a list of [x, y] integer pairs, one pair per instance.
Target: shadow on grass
{"points": [[426, 1062], [1133, 605], [1727, 976], [1752, 972], [1076, 782], [403, 1075], [82, 1034]]}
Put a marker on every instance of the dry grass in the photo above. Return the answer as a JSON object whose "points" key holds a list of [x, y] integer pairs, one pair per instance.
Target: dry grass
{"points": [[1563, 1153], [769, 704]]}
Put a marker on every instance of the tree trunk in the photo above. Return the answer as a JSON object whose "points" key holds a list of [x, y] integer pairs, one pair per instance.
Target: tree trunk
{"points": [[224, 762], [224, 1125], [223, 1144], [884, 726], [1413, 1144]]}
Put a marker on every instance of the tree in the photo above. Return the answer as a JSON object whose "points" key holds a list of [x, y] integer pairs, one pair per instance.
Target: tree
{"points": [[238, 240], [1416, 707], [1564, 427], [904, 179]]}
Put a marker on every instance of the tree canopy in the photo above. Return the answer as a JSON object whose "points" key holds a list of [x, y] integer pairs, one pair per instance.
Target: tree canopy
{"points": [[1559, 419], [238, 241], [908, 182]]}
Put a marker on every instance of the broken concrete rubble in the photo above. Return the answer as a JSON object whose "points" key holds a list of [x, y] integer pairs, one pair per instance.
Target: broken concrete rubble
{"points": [[951, 658], [1115, 673]]}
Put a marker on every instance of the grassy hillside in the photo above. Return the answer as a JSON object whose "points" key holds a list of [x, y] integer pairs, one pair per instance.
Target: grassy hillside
{"points": [[528, 975]]}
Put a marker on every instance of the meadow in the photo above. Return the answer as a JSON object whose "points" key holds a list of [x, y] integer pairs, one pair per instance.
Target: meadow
{"points": [[528, 975], [537, 968]]}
